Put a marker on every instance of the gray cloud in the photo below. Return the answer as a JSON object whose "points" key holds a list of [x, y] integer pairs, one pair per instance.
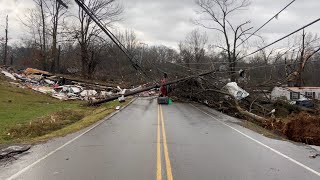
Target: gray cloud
{"points": [[168, 21]]}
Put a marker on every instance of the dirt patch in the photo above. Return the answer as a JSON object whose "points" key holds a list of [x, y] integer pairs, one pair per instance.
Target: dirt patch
{"points": [[302, 127]]}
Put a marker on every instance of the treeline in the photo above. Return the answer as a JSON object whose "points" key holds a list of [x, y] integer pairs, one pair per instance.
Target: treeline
{"points": [[67, 41]]}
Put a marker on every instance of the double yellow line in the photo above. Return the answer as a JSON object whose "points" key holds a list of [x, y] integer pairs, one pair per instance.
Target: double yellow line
{"points": [[165, 148]]}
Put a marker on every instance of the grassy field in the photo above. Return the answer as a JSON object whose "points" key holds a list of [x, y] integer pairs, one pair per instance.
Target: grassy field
{"points": [[27, 116]]}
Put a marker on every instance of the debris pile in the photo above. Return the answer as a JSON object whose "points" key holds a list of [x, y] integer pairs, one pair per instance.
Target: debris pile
{"points": [[60, 87], [302, 127]]}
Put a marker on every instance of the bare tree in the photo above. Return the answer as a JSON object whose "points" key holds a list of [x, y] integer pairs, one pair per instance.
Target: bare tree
{"points": [[194, 46], [40, 4], [44, 21], [32, 21], [216, 15], [130, 40], [299, 59], [266, 57], [87, 32], [57, 12], [185, 55]]}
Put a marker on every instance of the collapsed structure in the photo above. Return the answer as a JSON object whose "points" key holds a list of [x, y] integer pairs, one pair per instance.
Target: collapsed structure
{"points": [[62, 88]]}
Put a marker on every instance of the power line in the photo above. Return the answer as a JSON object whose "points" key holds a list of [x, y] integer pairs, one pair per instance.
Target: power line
{"points": [[270, 65], [260, 49], [275, 16], [111, 36], [248, 68]]}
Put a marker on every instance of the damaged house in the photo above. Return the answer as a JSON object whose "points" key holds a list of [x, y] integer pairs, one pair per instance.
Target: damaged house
{"points": [[295, 93]]}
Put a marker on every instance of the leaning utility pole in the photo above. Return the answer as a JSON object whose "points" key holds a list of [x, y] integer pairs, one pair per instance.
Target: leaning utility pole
{"points": [[6, 43]]}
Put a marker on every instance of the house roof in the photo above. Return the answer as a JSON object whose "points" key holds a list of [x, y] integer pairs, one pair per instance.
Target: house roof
{"points": [[302, 88], [297, 89]]}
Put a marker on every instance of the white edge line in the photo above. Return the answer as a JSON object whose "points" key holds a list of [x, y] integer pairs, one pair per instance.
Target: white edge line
{"points": [[16, 175], [260, 143]]}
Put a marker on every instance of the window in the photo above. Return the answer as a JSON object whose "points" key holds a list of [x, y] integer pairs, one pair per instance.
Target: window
{"points": [[310, 95], [294, 96]]}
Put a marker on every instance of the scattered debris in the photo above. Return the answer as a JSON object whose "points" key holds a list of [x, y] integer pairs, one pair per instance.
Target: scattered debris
{"points": [[60, 87], [122, 99], [118, 108], [11, 151], [29, 71], [237, 92], [7, 74], [314, 156], [88, 93]]}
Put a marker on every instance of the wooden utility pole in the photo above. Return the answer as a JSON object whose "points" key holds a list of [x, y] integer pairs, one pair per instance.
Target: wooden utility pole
{"points": [[6, 43]]}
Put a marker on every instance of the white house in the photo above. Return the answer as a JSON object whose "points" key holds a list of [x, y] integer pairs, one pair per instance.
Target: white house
{"points": [[295, 93]]}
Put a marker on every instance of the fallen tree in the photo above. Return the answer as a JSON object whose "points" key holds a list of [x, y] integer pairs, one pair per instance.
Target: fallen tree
{"points": [[95, 103], [296, 123], [201, 90]]}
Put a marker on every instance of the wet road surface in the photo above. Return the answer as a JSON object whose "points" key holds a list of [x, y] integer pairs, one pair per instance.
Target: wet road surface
{"points": [[179, 141]]}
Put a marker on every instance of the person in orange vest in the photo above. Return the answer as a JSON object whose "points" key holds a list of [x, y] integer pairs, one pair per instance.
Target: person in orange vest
{"points": [[163, 88]]}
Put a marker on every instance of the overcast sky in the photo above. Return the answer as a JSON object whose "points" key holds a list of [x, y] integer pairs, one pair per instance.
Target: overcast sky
{"points": [[168, 21]]}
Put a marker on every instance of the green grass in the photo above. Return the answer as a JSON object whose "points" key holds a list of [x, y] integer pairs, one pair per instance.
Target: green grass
{"points": [[27, 116]]}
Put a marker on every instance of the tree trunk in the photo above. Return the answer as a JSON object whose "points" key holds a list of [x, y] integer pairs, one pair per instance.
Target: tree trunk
{"points": [[84, 60], [91, 66], [11, 60], [6, 43], [232, 68], [54, 37], [58, 59], [44, 55], [299, 81]]}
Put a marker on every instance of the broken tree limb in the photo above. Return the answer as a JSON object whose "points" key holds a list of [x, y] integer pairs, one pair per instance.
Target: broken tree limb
{"points": [[12, 150], [147, 89], [239, 109], [250, 108]]}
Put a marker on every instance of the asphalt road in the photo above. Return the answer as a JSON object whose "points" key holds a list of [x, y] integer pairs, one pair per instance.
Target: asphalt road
{"points": [[179, 141]]}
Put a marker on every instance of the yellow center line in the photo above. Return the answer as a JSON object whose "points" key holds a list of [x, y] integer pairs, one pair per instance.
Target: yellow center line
{"points": [[159, 173], [165, 148]]}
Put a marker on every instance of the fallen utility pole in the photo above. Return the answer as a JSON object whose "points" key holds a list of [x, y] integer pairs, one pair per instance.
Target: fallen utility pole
{"points": [[147, 89]]}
